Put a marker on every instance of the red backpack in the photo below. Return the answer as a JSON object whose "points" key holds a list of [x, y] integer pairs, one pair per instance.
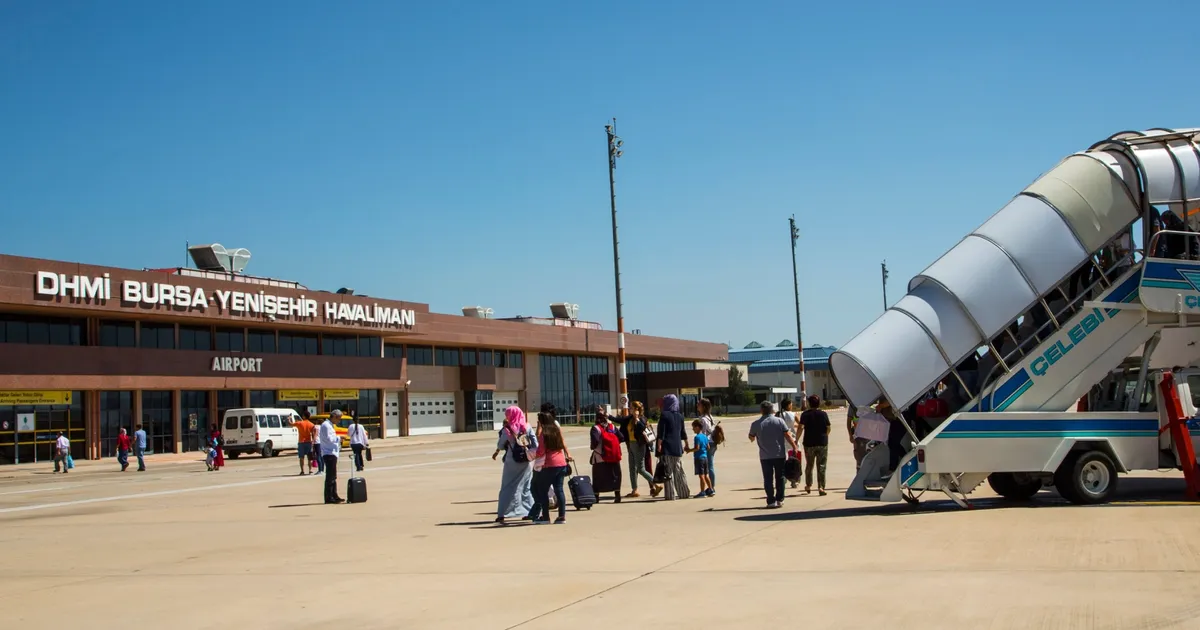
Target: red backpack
{"points": [[610, 446]]}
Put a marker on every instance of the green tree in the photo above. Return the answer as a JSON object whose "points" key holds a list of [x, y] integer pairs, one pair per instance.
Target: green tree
{"points": [[738, 392]]}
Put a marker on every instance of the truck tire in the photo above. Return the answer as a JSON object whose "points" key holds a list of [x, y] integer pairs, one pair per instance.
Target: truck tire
{"points": [[233, 454], [1086, 478], [268, 449], [1014, 486]]}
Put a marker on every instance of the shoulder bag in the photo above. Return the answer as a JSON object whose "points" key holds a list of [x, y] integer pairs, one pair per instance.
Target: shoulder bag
{"points": [[648, 433]]}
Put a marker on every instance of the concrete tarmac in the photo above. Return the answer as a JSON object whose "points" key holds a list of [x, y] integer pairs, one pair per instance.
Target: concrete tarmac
{"points": [[253, 546]]}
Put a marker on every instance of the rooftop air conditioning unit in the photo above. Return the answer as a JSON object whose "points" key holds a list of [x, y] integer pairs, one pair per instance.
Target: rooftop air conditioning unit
{"points": [[564, 310], [477, 312], [216, 258]]}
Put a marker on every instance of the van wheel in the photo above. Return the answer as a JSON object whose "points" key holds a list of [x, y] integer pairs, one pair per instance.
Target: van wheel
{"points": [[268, 449], [233, 454], [1014, 486], [1086, 478], [274, 453]]}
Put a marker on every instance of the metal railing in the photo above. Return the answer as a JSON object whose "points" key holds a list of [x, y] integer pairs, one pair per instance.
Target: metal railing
{"points": [[1191, 244], [1056, 318]]}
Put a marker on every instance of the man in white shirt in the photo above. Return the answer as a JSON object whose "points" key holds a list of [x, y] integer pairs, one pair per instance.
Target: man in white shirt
{"points": [[358, 442], [62, 448], [331, 447]]}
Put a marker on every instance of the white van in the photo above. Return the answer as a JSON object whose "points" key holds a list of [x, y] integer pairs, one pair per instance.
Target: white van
{"points": [[263, 431]]}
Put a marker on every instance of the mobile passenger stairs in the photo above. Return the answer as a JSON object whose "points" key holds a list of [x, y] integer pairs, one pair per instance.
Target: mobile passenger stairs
{"points": [[1026, 315]]}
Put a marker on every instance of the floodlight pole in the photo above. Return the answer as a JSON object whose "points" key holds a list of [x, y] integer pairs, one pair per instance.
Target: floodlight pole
{"points": [[795, 233], [614, 152]]}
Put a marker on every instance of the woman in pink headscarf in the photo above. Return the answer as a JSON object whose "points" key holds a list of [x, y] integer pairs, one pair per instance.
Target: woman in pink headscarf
{"points": [[518, 443]]}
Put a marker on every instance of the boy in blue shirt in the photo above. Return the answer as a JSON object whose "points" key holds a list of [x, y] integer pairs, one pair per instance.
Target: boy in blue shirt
{"points": [[702, 444]]}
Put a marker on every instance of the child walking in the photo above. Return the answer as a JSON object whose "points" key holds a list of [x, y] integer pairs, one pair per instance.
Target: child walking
{"points": [[700, 450]]}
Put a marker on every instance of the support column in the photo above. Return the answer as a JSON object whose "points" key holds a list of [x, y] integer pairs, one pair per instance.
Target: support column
{"points": [[177, 420], [212, 412], [137, 413], [91, 413], [404, 419]]}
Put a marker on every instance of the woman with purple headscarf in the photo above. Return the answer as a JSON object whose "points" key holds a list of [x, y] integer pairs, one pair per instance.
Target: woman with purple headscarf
{"points": [[517, 442], [672, 443]]}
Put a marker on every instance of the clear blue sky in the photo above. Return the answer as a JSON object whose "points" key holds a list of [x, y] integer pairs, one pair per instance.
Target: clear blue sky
{"points": [[453, 152]]}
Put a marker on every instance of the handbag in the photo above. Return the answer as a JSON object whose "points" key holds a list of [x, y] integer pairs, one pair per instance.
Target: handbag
{"points": [[662, 473], [368, 453], [649, 434], [70, 462]]}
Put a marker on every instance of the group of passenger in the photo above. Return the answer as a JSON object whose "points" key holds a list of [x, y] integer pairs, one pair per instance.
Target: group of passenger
{"points": [[537, 460], [806, 434]]}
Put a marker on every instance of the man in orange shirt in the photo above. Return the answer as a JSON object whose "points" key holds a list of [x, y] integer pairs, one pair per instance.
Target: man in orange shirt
{"points": [[306, 429]]}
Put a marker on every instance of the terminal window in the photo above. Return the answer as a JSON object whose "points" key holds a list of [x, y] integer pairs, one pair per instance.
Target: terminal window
{"points": [[297, 343], [161, 336], [420, 355], [53, 331], [195, 338], [118, 334], [260, 341], [230, 339], [446, 356]]}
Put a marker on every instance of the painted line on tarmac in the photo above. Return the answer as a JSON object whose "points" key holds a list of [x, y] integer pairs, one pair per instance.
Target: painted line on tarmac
{"points": [[240, 484], [256, 466]]}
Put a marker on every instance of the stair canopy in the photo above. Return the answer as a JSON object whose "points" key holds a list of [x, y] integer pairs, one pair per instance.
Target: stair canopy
{"points": [[1010, 263]]}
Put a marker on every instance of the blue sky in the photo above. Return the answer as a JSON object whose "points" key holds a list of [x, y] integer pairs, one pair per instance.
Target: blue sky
{"points": [[453, 152]]}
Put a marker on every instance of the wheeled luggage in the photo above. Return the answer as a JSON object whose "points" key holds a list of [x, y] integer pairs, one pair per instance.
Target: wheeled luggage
{"points": [[583, 496], [356, 490]]}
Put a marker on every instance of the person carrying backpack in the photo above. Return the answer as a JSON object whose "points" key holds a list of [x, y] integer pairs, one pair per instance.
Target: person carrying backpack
{"points": [[606, 455], [517, 441]]}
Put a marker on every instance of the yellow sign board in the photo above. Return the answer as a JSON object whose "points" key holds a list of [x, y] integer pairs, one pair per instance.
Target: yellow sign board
{"points": [[34, 397], [298, 394], [341, 394], [694, 391]]}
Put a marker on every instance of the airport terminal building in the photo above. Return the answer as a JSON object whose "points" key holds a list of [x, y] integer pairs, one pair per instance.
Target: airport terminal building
{"points": [[89, 350]]}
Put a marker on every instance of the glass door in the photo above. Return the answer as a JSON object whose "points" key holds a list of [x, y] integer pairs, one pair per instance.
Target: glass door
{"points": [[156, 421], [194, 422]]}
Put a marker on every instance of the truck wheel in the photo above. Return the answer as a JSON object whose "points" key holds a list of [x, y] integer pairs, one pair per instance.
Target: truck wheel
{"points": [[233, 454], [1087, 478], [1014, 486], [268, 448], [274, 453]]}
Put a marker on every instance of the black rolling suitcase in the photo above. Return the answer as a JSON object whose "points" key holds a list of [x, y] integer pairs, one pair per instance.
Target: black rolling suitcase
{"points": [[356, 489], [583, 496]]}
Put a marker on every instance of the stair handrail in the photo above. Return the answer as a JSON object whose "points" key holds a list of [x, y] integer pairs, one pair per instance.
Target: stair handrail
{"points": [[1070, 305]]}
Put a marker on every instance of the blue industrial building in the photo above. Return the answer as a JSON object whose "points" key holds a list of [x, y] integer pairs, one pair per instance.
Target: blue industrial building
{"points": [[779, 368]]}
